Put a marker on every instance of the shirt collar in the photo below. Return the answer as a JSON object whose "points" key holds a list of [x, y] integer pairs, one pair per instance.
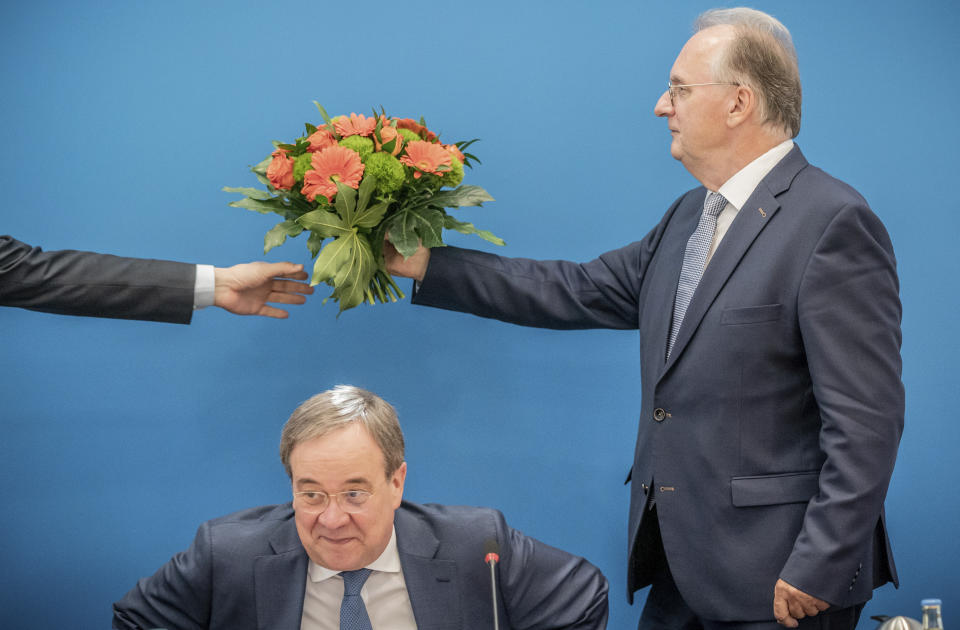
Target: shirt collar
{"points": [[388, 562], [738, 188]]}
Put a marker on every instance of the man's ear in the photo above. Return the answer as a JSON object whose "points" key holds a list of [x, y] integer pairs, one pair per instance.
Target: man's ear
{"points": [[742, 107], [397, 480]]}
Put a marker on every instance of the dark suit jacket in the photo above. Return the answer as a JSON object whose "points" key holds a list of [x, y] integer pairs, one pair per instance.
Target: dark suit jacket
{"points": [[97, 285], [249, 570], [770, 435]]}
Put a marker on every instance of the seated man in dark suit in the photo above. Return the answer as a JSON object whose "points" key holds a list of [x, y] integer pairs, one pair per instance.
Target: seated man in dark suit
{"points": [[348, 532]]}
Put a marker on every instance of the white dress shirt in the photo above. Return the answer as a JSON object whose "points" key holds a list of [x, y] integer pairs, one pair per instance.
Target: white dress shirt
{"points": [[203, 287], [384, 595], [738, 189]]}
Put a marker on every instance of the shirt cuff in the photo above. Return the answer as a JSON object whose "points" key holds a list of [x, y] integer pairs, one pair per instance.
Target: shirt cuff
{"points": [[204, 287]]}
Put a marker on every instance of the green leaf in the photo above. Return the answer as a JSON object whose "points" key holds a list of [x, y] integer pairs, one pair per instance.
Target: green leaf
{"points": [[346, 203], [410, 226], [263, 179], [324, 223], [263, 207], [253, 193], [300, 148], [262, 166], [311, 129], [348, 264], [323, 113], [332, 257], [468, 228], [354, 277], [406, 241], [467, 157], [371, 217], [429, 225], [460, 197], [298, 202], [314, 243], [376, 239], [278, 234], [367, 185]]}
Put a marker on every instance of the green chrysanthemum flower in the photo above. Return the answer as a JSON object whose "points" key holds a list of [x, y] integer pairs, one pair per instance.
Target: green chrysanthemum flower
{"points": [[301, 164], [454, 176], [408, 135], [387, 169], [360, 144]]}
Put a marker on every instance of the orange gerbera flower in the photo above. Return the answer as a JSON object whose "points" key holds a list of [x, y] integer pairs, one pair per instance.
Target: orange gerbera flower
{"points": [[426, 157], [333, 164], [417, 128], [355, 125], [320, 139], [454, 151]]}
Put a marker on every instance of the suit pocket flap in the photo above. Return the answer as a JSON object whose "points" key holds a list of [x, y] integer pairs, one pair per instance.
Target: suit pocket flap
{"points": [[797, 487], [751, 314]]}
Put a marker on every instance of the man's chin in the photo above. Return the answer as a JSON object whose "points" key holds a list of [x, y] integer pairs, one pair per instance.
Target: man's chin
{"points": [[341, 556], [676, 152]]}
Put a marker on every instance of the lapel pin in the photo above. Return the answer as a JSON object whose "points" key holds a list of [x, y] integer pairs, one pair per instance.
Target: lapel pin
{"points": [[762, 213]]}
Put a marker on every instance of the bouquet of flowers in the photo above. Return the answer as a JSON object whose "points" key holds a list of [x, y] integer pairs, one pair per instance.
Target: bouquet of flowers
{"points": [[354, 181]]}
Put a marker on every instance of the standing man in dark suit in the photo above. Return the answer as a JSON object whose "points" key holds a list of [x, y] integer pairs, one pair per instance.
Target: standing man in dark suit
{"points": [[347, 533], [769, 317], [100, 285]]}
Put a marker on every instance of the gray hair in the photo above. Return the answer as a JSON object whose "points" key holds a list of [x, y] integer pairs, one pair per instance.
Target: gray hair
{"points": [[337, 408], [762, 57]]}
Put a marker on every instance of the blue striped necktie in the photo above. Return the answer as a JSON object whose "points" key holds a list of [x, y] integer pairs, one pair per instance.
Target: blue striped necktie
{"points": [[353, 614], [694, 261]]}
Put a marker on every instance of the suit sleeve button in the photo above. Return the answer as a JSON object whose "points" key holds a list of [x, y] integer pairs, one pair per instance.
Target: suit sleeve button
{"points": [[659, 414]]}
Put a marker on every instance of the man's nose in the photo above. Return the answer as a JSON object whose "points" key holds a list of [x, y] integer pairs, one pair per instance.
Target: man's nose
{"points": [[663, 107], [333, 517]]}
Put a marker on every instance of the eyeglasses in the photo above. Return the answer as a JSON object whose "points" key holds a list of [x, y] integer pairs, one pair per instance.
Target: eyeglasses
{"points": [[350, 501], [674, 90]]}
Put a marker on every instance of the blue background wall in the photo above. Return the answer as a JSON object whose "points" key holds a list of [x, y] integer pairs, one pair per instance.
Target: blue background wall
{"points": [[121, 121]]}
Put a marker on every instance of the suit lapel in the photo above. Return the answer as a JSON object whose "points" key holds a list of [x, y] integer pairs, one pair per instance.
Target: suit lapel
{"points": [[753, 217], [669, 262], [431, 582], [280, 581]]}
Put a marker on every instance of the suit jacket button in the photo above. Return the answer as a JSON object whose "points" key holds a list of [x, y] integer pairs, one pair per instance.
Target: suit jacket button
{"points": [[659, 414]]}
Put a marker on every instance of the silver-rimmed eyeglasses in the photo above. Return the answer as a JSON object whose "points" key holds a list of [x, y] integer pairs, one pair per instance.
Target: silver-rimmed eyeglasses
{"points": [[675, 90], [350, 501]]}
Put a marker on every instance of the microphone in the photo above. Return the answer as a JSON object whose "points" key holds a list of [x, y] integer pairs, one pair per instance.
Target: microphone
{"points": [[491, 556]]}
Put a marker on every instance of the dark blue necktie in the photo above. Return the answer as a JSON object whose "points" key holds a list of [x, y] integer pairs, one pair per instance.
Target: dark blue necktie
{"points": [[353, 614]]}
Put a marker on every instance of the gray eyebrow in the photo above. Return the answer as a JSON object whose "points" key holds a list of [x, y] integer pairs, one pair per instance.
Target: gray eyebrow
{"points": [[355, 480]]}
